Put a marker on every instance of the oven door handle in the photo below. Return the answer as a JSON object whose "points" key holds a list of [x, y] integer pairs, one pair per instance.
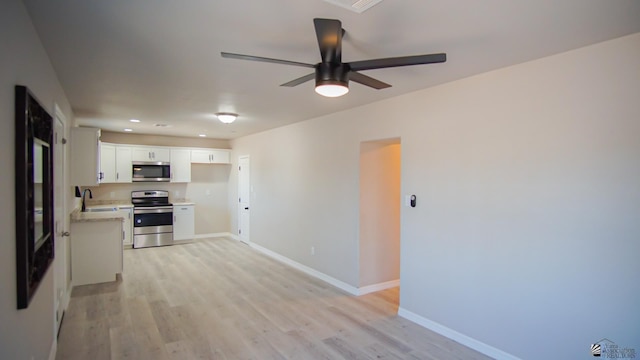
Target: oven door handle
{"points": [[154, 210]]}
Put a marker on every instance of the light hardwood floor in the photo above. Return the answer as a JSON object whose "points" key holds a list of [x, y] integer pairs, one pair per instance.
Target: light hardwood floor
{"points": [[220, 299]]}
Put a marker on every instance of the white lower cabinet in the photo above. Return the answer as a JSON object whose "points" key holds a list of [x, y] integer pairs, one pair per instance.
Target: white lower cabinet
{"points": [[127, 226], [96, 251], [183, 222]]}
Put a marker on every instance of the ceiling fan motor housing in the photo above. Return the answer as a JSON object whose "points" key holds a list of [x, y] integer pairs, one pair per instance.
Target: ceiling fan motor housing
{"points": [[332, 74]]}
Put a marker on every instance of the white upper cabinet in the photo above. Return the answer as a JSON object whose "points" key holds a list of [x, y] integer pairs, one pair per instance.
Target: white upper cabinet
{"points": [[115, 163], [85, 156], [94, 163], [210, 156], [123, 164], [180, 165], [155, 154], [107, 163]]}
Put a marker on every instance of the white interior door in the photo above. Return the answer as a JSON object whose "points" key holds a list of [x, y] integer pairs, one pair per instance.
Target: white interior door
{"points": [[244, 198], [61, 295]]}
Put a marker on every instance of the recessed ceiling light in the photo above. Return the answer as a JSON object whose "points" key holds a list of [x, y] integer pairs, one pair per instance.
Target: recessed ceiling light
{"points": [[135, 120], [128, 130], [202, 135]]}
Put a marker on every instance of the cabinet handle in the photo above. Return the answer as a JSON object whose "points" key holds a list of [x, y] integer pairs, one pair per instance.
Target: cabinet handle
{"points": [[117, 176], [174, 218], [122, 235]]}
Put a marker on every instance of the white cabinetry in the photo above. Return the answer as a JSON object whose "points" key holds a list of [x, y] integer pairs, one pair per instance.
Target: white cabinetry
{"points": [[127, 226], [107, 163], [85, 156], [115, 163], [123, 164], [96, 251], [183, 222], [210, 156], [180, 165], [157, 154]]}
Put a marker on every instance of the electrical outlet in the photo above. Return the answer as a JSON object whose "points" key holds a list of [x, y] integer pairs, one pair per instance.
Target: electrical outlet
{"points": [[112, 194], [313, 250], [208, 192]]}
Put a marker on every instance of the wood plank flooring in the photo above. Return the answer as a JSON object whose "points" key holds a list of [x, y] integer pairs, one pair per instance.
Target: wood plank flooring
{"points": [[220, 299]]}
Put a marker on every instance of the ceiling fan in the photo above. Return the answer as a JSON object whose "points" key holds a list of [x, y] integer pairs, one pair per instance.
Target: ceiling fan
{"points": [[332, 75]]}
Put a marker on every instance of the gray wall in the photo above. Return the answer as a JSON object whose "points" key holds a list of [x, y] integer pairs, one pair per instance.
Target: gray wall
{"points": [[24, 334], [526, 236]]}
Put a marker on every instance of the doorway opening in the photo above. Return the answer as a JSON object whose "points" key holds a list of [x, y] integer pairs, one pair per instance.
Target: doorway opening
{"points": [[380, 199], [244, 198]]}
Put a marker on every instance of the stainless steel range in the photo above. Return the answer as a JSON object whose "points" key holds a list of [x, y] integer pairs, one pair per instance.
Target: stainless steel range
{"points": [[152, 218]]}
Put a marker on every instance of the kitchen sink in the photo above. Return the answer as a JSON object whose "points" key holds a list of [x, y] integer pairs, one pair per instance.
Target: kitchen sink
{"points": [[102, 209]]}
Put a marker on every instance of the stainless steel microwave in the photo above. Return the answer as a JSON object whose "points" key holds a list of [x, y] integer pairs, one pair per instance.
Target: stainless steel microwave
{"points": [[151, 171]]}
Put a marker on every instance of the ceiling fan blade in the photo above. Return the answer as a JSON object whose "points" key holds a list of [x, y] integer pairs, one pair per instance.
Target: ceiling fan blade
{"points": [[397, 61], [368, 81], [300, 80], [329, 33], [264, 59]]}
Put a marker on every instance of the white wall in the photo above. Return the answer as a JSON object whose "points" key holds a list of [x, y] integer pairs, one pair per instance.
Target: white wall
{"points": [[379, 212], [23, 333], [526, 236]]}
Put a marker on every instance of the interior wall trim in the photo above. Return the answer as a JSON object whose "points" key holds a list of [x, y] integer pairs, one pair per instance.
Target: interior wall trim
{"points": [[456, 336], [213, 235], [378, 287], [315, 273], [307, 270]]}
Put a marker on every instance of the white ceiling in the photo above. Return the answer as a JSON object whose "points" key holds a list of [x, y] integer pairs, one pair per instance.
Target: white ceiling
{"points": [[159, 61]]}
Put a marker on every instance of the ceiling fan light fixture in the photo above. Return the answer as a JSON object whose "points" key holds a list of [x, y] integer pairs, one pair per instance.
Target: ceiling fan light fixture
{"points": [[226, 118], [332, 80], [332, 89]]}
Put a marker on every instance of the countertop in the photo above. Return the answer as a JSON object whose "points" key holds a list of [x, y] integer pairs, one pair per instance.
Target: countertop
{"points": [[79, 216], [103, 203], [182, 202]]}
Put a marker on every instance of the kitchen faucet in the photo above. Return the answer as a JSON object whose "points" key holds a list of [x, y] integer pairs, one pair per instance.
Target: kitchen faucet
{"points": [[84, 208]]}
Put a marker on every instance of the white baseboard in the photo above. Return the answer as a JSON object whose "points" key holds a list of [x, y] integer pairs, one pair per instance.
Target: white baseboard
{"points": [[53, 350], [66, 298], [307, 270], [377, 287], [213, 235], [233, 236], [456, 336]]}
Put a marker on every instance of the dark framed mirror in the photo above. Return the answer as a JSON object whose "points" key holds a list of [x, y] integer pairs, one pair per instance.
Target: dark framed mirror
{"points": [[34, 194]]}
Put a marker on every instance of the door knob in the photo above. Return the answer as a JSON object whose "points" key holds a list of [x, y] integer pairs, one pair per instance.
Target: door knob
{"points": [[65, 233]]}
